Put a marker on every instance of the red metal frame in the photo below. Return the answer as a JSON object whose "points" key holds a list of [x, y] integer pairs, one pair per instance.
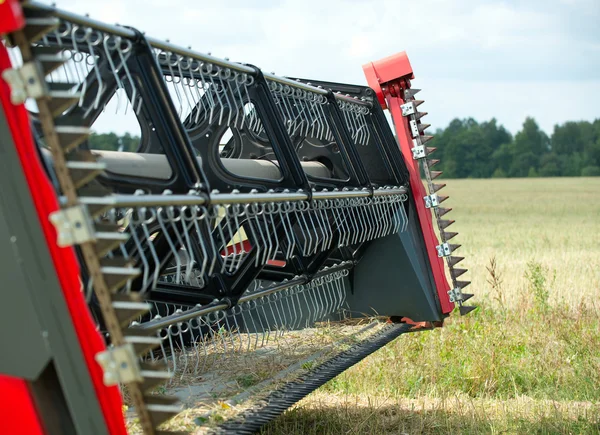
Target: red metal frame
{"points": [[389, 78], [65, 263]]}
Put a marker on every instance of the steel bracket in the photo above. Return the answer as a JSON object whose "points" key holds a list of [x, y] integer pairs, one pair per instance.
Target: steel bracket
{"points": [[120, 365], [418, 152], [414, 128], [455, 295], [73, 226], [431, 200], [408, 109], [443, 250], [24, 82]]}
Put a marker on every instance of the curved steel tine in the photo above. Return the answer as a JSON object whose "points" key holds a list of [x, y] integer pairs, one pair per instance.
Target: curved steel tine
{"points": [[267, 330], [313, 218], [256, 243], [323, 299], [327, 296], [268, 252], [229, 333], [198, 99], [240, 109], [174, 250], [379, 216], [220, 102], [221, 235], [207, 217], [256, 330], [142, 257], [173, 357], [364, 210], [327, 226], [274, 232], [237, 330], [199, 240], [204, 344], [373, 216], [247, 329], [150, 243], [307, 236], [226, 96], [403, 210], [314, 294], [189, 247], [261, 256], [356, 220], [185, 89], [229, 239], [184, 352], [194, 344], [276, 302], [270, 304], [287, 229]]}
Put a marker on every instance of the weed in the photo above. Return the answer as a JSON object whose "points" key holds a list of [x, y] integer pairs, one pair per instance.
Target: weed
{"points": [[495, 280], [536, 275]]}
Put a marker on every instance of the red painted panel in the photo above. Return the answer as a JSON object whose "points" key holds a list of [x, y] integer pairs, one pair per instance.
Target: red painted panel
{"points": [[11, 16], [418, 191], [386, 76], [65, 261], [18, 414]]}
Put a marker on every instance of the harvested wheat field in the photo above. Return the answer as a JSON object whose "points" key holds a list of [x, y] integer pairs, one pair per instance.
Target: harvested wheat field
{"points": [[527, 361]]}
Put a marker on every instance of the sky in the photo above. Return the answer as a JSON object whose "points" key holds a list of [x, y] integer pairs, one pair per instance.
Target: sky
{"points": [[481, 59]]}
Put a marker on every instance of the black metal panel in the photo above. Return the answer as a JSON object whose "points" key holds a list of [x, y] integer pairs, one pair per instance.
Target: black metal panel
{"points": [[394, 277]]}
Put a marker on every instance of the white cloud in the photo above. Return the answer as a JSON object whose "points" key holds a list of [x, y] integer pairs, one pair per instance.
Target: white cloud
{"points": [[499, 58]]}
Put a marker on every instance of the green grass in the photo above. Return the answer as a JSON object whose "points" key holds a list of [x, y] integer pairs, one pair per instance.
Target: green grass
{"points": [[528, 361]]}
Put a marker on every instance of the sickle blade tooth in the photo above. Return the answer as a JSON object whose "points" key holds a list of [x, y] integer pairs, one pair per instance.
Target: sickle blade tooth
{"points": [[435, 174], [445, 223], [432, 162], [419, 115], [455, 260], [449, 235], [438, 187], [410, 93], [454, 247], [425, 138], [442, 211], [464, 310], [462, 284], [458, 272], [442, 198], [467, 296], [423, 127]]}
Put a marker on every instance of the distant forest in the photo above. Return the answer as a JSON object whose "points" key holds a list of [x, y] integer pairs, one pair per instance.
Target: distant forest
{"points": [[468, 149]]}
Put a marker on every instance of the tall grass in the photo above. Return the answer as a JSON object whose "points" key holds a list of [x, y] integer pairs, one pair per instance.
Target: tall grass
{"points": [[527, 361]]}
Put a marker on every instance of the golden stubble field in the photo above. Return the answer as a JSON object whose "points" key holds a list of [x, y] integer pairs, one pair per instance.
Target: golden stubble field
{"points": [[527, 361], [552, 221]]}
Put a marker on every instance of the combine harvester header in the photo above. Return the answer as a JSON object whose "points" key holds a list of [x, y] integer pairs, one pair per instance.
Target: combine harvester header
{"points": [[264, 224]]}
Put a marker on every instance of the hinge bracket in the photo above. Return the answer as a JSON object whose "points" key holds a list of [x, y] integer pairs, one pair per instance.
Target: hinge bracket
{"points": [[443, 250], [408, 109], [455, 295], [418, 152], [431, 201], [73, 226], [120, 365], [25, 82]]}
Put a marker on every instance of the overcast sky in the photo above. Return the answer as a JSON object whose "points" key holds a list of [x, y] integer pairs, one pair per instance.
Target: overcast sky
{"points": [[482, 59]]}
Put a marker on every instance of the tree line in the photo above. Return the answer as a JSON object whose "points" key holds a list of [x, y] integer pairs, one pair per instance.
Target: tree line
{"points": [[469, 149]]}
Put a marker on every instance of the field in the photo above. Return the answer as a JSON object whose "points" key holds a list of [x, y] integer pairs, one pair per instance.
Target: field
{"points": [[527, 361]]}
